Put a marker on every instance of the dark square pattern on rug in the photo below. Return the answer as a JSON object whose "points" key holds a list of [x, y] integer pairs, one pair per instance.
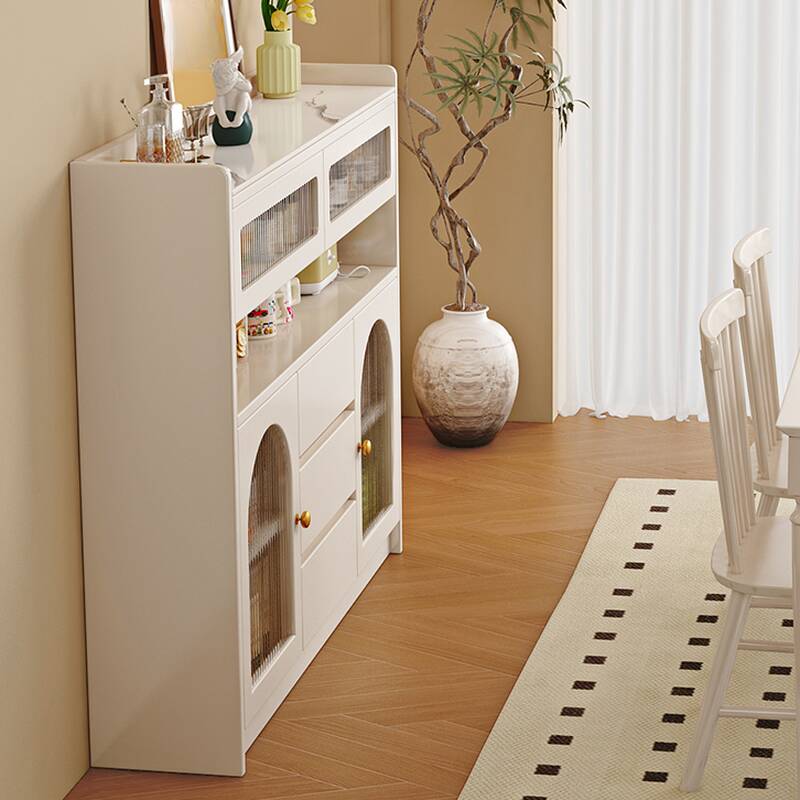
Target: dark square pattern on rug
{"points": [[604, 673]]}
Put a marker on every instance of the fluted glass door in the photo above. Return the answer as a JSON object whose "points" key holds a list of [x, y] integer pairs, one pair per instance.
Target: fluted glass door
{"points": [[376, 427], [269, 535]]}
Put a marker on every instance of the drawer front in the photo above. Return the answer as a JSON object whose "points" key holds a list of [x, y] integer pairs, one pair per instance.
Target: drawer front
{"points": [[328, 478], [326, 387], [329, 572]]}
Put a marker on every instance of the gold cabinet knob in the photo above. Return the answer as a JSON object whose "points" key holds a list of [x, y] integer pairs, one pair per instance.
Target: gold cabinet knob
{"points": [[365, 448], [303, 519]]}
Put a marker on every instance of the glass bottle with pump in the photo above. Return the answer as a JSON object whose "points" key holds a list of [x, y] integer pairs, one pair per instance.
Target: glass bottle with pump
{"points": [[159, 135]]}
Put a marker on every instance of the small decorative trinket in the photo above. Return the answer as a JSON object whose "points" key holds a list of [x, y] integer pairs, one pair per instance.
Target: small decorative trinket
{"points": [[233, 102], [262, 322], [277, 310], [286, 311], [196, 120], [241, 339], [288, 297]]}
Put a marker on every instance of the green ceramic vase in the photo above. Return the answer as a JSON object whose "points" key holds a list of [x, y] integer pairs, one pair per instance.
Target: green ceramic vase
{"points": [[278, 63]]}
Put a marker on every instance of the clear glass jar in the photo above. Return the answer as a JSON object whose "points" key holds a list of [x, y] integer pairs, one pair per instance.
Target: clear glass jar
{"points": [[159, 135]]}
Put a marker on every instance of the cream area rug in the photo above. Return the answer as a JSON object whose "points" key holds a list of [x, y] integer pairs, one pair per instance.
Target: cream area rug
{"points": [[607, 704]]}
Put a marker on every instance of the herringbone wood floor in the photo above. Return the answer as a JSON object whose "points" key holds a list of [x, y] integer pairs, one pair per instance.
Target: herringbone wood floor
{"points": [[399, 701]]}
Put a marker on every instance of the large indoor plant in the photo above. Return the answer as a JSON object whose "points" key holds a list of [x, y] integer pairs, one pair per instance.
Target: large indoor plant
{"points": [[465, 369], [278, 59]]}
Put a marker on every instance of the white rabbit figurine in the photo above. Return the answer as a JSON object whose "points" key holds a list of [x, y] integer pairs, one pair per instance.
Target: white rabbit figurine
{"points": [[233, 102]]}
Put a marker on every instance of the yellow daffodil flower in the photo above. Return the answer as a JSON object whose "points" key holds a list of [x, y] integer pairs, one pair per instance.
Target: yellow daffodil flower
{"points": [[305, 13], [280, 20]]}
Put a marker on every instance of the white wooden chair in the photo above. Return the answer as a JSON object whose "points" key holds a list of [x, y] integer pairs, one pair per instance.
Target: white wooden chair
{"points": [[770, 452], [752, 556]]}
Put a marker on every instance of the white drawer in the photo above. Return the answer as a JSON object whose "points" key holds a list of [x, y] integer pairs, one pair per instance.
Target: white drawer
{"points": [[327, 387], [328, 477], [329, 572]]}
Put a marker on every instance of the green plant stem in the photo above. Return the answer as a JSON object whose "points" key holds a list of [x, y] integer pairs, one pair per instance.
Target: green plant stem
{"points": [[268, 7]]}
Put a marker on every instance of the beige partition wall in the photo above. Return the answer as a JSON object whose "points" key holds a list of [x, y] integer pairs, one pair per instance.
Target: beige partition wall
{"points": [[510, 207], [73, 63]]}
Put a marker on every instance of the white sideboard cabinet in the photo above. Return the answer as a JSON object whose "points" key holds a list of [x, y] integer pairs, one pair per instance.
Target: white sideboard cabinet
{"points": [[233, 510]]}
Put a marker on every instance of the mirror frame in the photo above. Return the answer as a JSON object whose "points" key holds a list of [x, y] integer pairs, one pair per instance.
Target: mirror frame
{"points": [[159, 63]]}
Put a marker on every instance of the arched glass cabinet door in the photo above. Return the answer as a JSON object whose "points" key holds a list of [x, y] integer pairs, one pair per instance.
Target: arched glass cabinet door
{"points": [[376, 427], [377, 335], [269, 552], [269, 546]]}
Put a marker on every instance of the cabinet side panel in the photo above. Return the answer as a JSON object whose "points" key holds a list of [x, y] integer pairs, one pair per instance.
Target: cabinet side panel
{"points": [[154, 333]]}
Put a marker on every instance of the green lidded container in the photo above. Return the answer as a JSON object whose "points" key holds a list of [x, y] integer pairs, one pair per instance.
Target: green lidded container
{"points": [[320, 272]]}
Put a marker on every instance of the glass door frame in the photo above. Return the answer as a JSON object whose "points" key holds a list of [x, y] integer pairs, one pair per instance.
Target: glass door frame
{"points": [[281, 411], [385, 534]]}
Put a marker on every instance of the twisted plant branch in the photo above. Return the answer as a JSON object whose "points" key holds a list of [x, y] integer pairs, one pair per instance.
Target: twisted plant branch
{"points": [[450, 229]]}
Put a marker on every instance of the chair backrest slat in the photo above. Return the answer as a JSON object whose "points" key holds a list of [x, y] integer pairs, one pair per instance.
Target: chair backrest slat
{"points": [[750, 275], [726, 493], [771, 372], [743, 473], [735, 428], [724, 380]]}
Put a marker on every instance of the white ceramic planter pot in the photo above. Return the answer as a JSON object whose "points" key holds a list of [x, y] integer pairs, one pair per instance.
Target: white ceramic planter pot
{"points": [[465, 374]]}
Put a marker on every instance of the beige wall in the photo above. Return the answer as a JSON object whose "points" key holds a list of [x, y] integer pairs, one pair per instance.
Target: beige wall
{"points": [[76, 66], [510, 207], [349, 31], [72, 64]]}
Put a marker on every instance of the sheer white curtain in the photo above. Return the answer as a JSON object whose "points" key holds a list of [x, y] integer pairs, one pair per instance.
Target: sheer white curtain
{"points": [[693, 139]]}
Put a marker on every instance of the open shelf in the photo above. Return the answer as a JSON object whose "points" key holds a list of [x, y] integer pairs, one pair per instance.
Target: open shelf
{"points": [[317, 316]]}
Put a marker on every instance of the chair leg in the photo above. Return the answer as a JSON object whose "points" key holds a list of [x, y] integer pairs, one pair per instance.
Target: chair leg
{"points": [[714, 696], [767, 505]]}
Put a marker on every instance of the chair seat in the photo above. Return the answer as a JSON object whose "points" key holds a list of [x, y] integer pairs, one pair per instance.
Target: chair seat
{"points": [[776, 483], [766, 558]]}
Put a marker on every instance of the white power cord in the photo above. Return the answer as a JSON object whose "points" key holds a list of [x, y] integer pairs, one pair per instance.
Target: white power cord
{"points": [[357, 272]]}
